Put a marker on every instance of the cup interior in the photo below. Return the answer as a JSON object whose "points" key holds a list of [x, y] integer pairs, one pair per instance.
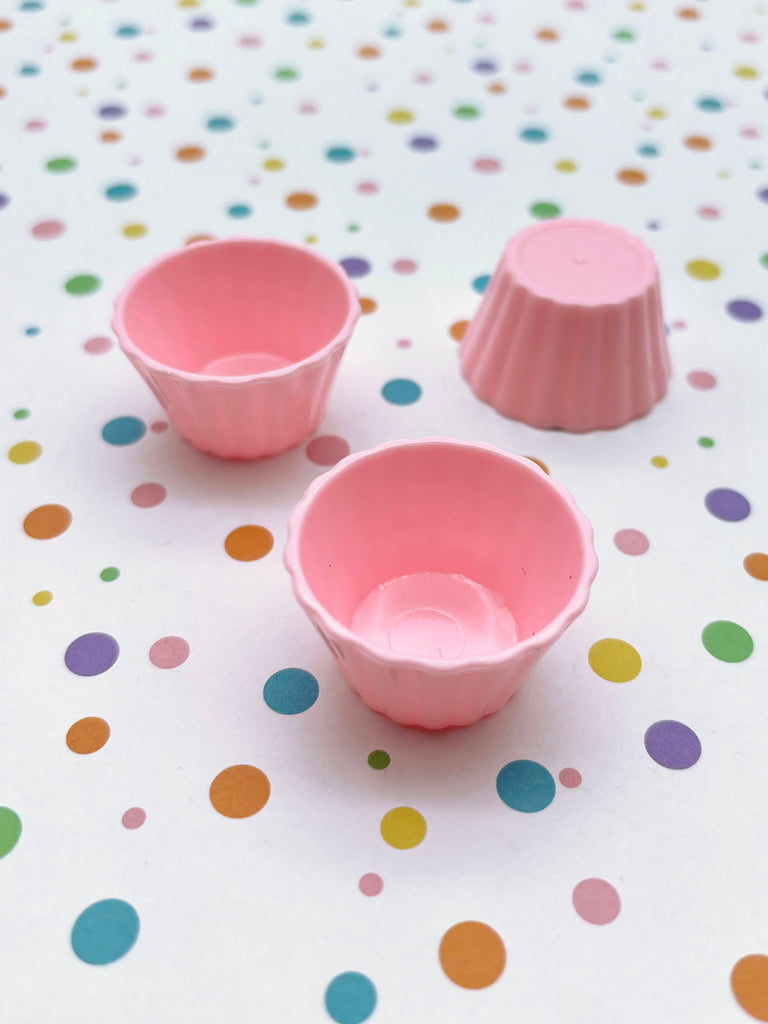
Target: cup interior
{"points": [[235, 308], [441, 550]]}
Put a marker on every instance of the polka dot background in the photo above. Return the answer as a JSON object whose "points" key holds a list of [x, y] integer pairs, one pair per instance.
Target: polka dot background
{"points": [[171, 704]]}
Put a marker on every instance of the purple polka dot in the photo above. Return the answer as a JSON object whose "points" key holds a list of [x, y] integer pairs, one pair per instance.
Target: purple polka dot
{"points": [[201, 24], [727, 504], [672, 745], [423, 143], [91, 654], [356, 266], [762, 194], [112, 112], [4, 200], [484, 66], [744, 309]]}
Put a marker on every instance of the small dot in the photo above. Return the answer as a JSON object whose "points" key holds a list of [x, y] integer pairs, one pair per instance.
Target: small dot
{"points": [[458, 329], [400, 116], [98, 346], [659, 461], [705, 442], [570, 778], [702, 380], [134, 231], [368, 188], [379, 759], [726, 504], [148, 495], [25, 452], [614, 660], [631, 176], [87, 735], [487, 165], [61, 164], [47, 521], [42, 598], [480, 283], [545, 210], [631, 542], [472, 954], [190, 154], [401, 391], [370, 884], [403, 828], [566, 166], [290, 691], [443, 213], [248, 543], [744, 310], [21, 414], [327, 450], [169, 652], [124, 430], [340, 154], [727, 641], [525, 786], [672, 745], [239, 211], [596, 901], [756, 564], [350, 998], [91, 654], [110, 574], [534, 134], [105, 931], [749, 984], [405, 267], [355, 266], [82, 284], [10, 830], [48, 229], [239, 791], [134, 817], [698, 143], [703, 270]]}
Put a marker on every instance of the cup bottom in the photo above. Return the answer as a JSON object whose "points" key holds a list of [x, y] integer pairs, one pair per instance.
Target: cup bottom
{"points": [[437, 615], [243, 364]]}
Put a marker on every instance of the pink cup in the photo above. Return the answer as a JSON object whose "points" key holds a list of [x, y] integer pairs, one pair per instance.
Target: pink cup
{"points": [[240, 340], [438, 572]]}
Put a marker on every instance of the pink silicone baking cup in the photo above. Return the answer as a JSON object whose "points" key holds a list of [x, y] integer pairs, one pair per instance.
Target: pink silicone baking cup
{"points": [[240, 340], [438, 572], [570, 331]]}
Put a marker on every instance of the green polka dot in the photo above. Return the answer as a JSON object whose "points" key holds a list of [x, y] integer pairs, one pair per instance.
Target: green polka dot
{"points": [[286, 74], [61, 164], [378, 759], [10, 830], [706, 442], [624, 35], [764, 260], [21, 414], [545, 211], [727, 641], [466, 112], [83, 284], [110, 573]]}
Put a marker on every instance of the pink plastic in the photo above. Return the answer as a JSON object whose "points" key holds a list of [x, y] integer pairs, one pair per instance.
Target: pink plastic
{"points": [[438, 572], [240, 340], [570, 331]]}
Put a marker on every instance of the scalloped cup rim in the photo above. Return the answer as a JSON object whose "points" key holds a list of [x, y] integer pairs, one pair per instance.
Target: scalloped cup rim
{"points": [[545, 637]]}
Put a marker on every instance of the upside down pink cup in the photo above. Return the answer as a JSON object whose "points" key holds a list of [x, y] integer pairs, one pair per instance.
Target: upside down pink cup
{"points": [[240, 340], [438, 572], [570, 331]]}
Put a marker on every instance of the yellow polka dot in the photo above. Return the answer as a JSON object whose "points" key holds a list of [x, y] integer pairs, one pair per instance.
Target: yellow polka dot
{"points": [[400, 116], [316, 44], [311, 239], [25, 452], [566, 166], [68, 37], [614, 660], [42, 597], [659, 462], [188, 3], [656, 113], [745, 71], [637, 6], [273, 163], [134, 230], [703, 270], [403, 828]]}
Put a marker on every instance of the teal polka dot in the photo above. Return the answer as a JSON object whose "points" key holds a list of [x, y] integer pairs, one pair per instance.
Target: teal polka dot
{"points": [[480, 283], [401, 391], [589, 77], [291, 691], [127, 31], [239, 211], [350, 998], [105, 931], [525, 786], [648, 149], [120, 191], [29, 70], [340, 154], [124, 430], [298, 18], [32, 332], [534, 133], [220, 124], [709, 103]]}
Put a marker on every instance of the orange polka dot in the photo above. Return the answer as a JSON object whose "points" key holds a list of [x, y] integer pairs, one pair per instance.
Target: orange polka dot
{"points": [[5, 25], [547, 35], [472, 954], [200, 75], [368, 305], [248, 543], [301, 201], [698, 142], [2, 92], [437, 25], [369, 52], [199, 238], [688, 14], [84, 64], [239, 791], [631, 176], [497, 88], [756, 565], [444, 212], [538, 462], [576, 103], [87, 735], [47, 521], [749, 982], [110, 136], [189, 154], [457, 329]]}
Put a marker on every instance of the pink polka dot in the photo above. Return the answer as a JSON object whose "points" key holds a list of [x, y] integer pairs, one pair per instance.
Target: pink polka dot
{"points": [[708, 212], [148, 495], [154, 110], [169, 652], [159, 427], [98, 346], [327, 450], [134, 817], [367, 188], [371, 884], [404, 343], [660, 64], [143, 56], [48, 229], [749, 132], [487, 165], [308, 107], [679, 325], [702, 380], [405, 267], [596, 901], [523, 66], [631, 542], [36, 125], [570, 778], [249, 42], [423, 78]]}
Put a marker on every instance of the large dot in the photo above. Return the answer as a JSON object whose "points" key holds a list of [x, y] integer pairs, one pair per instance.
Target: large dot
{"points": [[749, 983], [169, 652], [703, 270], [443, 212], [82, 284], [134, 817], [48, 229], [525, 786], [124, 430], [727, 641], [744, 310], [614, 660], [10, 830], [24, 452], [239, 791], [105, 931], [47, 521], [87, 735], [247, 543], [756, 564], [148, 495], [727, 504], [301, 200], [596, 901], [702, 380], [291, 691], [379, 760], [672, 744], [91, 654], [120, 191], [401, 391], [370, 884], [98, 345], [61, 164], [350, 998], [403, 828], [472, 954], [631, 542], [356, 266], [327, 450]]}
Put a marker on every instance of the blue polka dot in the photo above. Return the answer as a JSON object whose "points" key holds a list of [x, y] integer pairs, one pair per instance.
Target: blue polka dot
{"points": [[525, 786], [340, 154], [350, 998], [401, 391], [291, 691], [31, 5], [356, 266], [120, 191], [105, 931], [298, 18], [648, 149], [589, 77], [124, 430], [710, 103], [219, 124], [392, 31], [32, 331], [481, 283], [239, 211], [423, 143], [29, 70], [534, 134], [128, 31]]}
